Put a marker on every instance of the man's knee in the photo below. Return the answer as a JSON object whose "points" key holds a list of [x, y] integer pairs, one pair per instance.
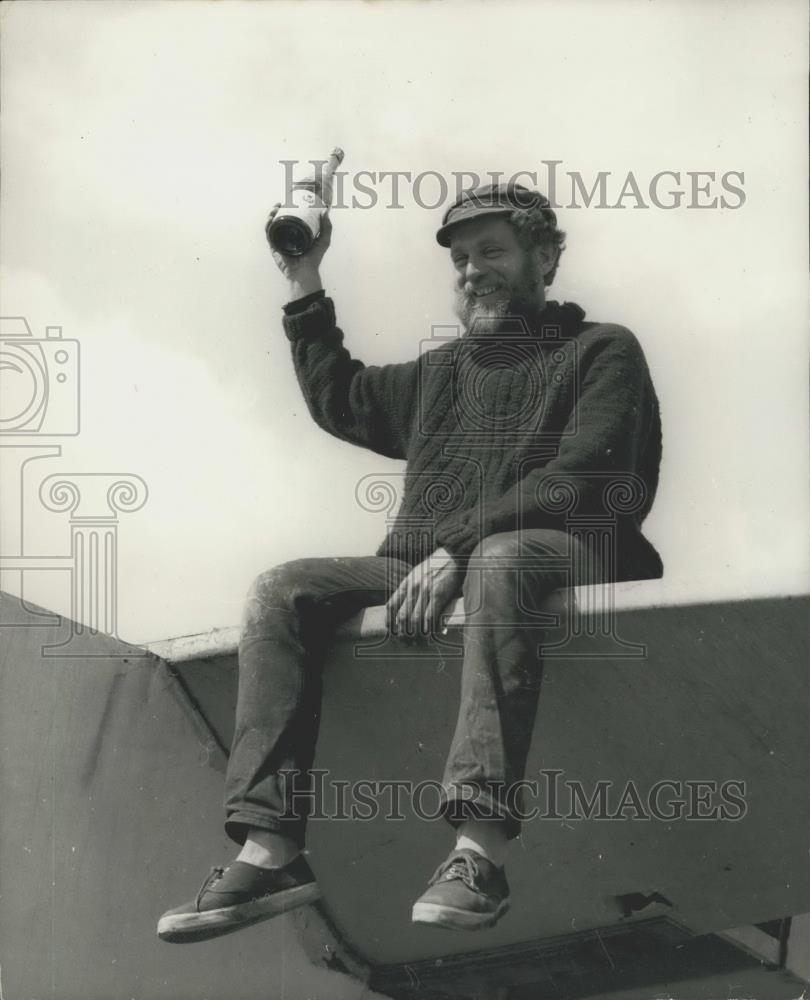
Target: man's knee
{"points": [[509, 560], [491, 573], [509, 549], [496, 549], [279, 586]]}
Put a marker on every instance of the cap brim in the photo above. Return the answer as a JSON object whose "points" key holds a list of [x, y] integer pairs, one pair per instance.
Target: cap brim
{"points": [[443, 234]]}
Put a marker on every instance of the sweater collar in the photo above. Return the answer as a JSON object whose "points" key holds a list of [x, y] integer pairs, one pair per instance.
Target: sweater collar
{"points": [[567, 317], [555, 320]]}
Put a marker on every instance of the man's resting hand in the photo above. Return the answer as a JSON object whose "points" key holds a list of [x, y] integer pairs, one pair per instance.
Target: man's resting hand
{"points": [[416, 605]]}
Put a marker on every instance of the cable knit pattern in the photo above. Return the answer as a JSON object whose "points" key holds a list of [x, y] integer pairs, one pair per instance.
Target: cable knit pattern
{"points": [[516, 427]]}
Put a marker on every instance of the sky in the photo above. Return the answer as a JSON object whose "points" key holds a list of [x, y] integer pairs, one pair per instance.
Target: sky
{"points": [[141, 151]]}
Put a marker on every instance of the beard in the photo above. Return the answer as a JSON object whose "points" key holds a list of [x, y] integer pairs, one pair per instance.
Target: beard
{"points": [[521, 298]]}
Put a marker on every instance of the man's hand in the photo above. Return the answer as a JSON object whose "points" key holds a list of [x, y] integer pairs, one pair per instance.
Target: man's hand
{"points": [[302, 272], [417, 604]]}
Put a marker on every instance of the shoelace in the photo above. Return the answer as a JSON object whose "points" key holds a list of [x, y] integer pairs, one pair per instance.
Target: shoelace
{"points": [[214, 876], [460, 866]]}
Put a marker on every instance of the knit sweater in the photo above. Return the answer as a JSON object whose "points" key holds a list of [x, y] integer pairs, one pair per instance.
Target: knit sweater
{"points": [[522, 425]]}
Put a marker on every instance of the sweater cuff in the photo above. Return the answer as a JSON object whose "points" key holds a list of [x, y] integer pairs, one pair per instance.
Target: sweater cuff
{"points": [[316, 319], [299, 305]]}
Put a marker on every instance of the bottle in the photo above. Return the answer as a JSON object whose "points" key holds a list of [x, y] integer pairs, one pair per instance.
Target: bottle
{"points": [[295, 228]]}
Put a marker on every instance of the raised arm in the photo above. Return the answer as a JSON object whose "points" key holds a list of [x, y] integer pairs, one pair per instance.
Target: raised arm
{"points": [[369, 406]]}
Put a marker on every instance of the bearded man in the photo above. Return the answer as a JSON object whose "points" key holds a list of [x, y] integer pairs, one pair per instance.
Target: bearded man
{"points": [[531, 396]]}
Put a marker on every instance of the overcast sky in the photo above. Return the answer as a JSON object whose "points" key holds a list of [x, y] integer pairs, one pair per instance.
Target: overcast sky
{"points": [[141, 149]]}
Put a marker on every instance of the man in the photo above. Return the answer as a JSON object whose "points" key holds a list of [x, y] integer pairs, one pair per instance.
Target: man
{"points": [[532, 400]]}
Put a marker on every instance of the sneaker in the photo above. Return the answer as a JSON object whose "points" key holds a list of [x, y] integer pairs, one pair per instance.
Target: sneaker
{"points": [[467, 892], [239, 896]]}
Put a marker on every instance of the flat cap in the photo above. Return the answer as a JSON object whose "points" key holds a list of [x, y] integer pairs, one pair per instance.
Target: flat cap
{"points": [[491, 199]]}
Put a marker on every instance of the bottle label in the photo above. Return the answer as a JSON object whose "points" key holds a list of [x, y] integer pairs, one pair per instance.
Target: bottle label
{"points": [[305, 197], [302, 198], [307, 207]]}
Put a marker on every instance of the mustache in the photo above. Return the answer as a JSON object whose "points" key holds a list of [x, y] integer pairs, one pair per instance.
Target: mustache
{"points": [[469, 288]]}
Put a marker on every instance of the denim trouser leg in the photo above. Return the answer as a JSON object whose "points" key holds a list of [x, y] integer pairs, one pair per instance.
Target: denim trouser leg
{"points": [[502, 671], [289, 620]]}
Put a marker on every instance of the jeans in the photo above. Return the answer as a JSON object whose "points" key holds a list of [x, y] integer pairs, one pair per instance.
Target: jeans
{"points": [[290, 617]]}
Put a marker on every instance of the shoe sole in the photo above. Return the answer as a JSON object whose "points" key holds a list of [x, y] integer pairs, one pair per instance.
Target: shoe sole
{"points": [[455, 919], [185, 928]]}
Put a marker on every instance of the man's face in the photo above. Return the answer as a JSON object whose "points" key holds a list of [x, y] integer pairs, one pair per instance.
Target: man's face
{"points": [[495, 276]]}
